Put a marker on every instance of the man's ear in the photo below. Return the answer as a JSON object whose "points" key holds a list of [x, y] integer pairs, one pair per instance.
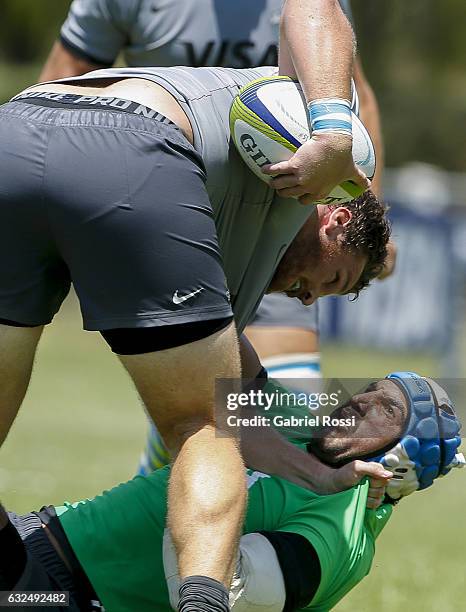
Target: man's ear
{"points": [[335, 223]]}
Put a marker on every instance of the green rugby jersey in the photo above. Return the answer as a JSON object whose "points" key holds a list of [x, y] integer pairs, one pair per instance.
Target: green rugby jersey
{"points": [[117, 536]]}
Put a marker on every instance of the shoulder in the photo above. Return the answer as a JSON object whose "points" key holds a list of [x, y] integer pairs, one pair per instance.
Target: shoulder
{"points": [[346, 7], [116, 11]]}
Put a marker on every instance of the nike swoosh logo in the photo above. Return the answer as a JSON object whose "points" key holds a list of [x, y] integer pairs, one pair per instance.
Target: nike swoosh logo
{"points": [[179, 299]]}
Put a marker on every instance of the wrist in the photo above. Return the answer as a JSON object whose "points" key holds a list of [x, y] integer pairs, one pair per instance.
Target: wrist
{"points": [[317, 474], [300, 466], [337, 143], [330, 116]]}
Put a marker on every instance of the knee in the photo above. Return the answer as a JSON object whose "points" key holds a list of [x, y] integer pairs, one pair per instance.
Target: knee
{"points": [[177, 432]]}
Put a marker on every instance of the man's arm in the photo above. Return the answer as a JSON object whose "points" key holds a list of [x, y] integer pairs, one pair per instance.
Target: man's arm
{"points": [[91, 37], [264, 449], [370, 116], [390, 261], [317, 47], [61, 63]]}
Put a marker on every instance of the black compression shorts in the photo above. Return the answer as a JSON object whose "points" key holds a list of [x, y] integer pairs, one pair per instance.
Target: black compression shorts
{"points": [[45, 571]]}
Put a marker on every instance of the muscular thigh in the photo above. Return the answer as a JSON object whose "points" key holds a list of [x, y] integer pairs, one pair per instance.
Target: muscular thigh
{"points": [[178, 385], [33, 277], [117, 203]]}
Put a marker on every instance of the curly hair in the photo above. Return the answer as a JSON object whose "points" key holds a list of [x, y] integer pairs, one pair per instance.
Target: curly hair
{"points": [[367, 233]]}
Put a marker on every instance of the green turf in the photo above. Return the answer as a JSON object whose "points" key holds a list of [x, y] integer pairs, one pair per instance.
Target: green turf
{"points": [[81, 426], [81, 429], [14, 79], [419, 557], [350, 362]]}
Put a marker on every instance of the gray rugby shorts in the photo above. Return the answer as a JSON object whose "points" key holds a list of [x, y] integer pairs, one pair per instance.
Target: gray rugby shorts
{"points": [[111, 201]]}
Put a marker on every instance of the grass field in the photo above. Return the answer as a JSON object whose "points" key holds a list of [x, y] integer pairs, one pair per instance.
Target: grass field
{"points": [[13, 80], [81, 429]]}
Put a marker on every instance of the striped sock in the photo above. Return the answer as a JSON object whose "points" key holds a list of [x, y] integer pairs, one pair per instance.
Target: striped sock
{"points": [[203, 594], [155, 455]]}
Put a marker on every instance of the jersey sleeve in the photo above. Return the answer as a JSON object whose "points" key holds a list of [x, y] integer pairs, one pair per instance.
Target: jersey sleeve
{"points": [[337, 528], [377, 519], [346, 7], [97, 30]]}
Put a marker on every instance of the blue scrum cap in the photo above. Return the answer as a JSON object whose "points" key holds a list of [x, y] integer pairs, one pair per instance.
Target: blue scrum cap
{"points": [[429, 444]]}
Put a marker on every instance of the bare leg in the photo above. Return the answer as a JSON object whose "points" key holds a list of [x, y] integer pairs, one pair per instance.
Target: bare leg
{"points": [[17, 350], [272, 341], [207, 492]]}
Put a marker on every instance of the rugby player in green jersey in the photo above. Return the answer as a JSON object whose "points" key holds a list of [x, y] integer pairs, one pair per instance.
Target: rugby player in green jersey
{"points": [[299, 551]]}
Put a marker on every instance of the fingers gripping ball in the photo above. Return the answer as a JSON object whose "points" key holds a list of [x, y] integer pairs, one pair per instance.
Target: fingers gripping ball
{"points": [[269, 121], [429, 445]]}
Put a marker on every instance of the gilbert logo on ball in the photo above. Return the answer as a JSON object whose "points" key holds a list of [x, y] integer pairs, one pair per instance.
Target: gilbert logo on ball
{"points": [[269, 120]]}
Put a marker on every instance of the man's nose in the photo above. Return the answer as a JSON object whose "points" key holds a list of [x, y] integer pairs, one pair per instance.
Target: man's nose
{"points": [[317, 292], [308, 299], [359, 404]]}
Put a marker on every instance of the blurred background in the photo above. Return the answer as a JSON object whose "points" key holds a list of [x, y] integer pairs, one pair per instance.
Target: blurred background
{"points": [[82, 427]]}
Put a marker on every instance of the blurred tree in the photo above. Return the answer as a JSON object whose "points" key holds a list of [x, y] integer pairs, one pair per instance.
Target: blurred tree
{"points": [[414, 54], [28, 27]]}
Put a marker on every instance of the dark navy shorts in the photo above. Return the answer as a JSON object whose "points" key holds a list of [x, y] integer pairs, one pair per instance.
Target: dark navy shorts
{"points": [[112, 201]]}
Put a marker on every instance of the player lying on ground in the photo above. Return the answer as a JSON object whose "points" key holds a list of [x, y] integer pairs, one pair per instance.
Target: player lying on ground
{"points": [[300, 550]]}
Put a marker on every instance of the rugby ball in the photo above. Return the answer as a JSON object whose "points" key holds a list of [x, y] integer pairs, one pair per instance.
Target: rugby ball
{"points": [[269, 121]]}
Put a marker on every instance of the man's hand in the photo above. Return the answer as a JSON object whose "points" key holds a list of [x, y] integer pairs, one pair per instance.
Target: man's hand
{"points": [[376, 493], [316, 168], [265, 450], [61, 63], [353, 472], [326, 480]]}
